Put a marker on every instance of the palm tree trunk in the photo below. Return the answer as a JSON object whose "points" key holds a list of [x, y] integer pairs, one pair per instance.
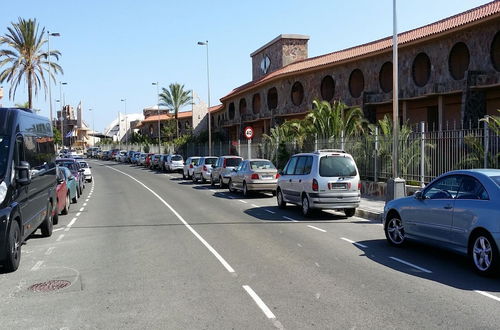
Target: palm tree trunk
{"points": [[30, 91], [177, 123]]}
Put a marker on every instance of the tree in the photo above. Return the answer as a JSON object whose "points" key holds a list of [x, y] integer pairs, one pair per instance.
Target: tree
{"points": [[57, 136], [25, 59], [175, 98]]}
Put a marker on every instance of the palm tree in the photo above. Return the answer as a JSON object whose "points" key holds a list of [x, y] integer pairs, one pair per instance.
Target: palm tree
{"points": [[174, 98], [25, 58]]}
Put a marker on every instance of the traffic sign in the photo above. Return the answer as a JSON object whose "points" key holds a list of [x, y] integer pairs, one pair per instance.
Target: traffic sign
{"points": [[248, 132]]}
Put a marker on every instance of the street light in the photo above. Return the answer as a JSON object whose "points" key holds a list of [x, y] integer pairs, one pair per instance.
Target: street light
{"points": [[54, 34], [205, 43], [126, 124], [62, 99], [93, 128], [157, 84]]}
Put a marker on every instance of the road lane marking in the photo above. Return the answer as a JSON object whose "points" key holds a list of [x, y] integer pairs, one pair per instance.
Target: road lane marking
{"points": [[81, 209], [313, 227], [269, 211], [242, 201], [58, 229], [49, 250], [290, 219], [299, 245], [181, 219], [87, 200], [317, 265], [355, 243], [411, 265], [60, 237], [486, 294], [259, 302], [253, 205], [214, 191], [78, 214], [37, 266], [84, 204]]}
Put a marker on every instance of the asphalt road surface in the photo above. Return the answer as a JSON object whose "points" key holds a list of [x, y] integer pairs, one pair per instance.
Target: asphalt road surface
{"points": [[148, 250]]}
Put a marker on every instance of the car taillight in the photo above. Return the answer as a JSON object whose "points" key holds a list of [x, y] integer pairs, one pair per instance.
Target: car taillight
{"points": [[190, 165], [277, 176], [315, 185], [205, 168], [359, 185], [255, 176]]}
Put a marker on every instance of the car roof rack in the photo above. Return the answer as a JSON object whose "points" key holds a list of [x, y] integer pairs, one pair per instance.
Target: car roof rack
{"points": [[329, 150]]}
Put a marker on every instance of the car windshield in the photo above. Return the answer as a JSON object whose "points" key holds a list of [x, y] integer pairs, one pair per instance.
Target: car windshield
{"points": [[336, 166], [176, 158], [232, 161], [4, 155], [71, 165], [210, 161], [262, 165], [83, 164]]}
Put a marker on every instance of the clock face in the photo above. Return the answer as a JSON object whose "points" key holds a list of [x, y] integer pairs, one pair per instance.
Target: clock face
{"points": [[265, 64]]}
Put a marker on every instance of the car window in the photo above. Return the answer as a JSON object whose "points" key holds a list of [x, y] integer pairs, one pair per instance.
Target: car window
{"points": [[308, 165], [290, 167], [336, 166], [496, 179], [233, 161], [299, 168], [470, 188], [177, 157], [240, 166], [262, 165], [210, 161], [444, 188], [84, 164]]}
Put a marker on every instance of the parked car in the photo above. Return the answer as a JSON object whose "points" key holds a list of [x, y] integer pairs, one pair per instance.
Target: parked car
{"points": [[112, 154], [254, 175], [121, 156], [106, 155], [135, 157], [203, 169], [223, 168], [147, 160], [98, 154], [325, 179], [28, 180], [76, 170], [62, 196], [142, 159], [173, 163], [458, 210], [87, 173], [130, 154], [155, 161], [92, 152], [71, 183], [188, 167]]}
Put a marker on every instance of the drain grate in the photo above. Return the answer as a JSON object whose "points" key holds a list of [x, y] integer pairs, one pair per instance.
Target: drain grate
{"points": [[49, 286]]}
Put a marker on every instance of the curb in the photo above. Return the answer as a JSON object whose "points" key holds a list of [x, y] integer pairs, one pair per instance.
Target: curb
{"points": [[371, 215]]}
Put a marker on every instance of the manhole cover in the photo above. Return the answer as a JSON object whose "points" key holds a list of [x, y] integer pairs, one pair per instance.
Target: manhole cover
{"points": [[48, 286]]}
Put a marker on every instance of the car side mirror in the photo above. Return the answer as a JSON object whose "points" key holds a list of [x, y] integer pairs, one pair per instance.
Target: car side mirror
{"points": [[90, 166], [59, 180], [418, 195], [81, 170], [23, 173]]}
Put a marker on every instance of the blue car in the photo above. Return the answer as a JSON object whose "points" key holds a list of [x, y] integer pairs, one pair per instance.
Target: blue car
{"points": [[71, 183], [459, 210]]}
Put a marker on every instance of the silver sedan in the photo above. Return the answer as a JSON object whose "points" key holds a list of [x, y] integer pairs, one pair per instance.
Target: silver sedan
{"points": [[459, 210], [254, 175]]}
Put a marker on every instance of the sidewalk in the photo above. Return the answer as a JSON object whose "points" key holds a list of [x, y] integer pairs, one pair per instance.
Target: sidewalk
{"points": [[371, 208]]}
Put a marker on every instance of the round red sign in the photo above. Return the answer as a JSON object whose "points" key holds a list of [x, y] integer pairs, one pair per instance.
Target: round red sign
{"points": [[248, 132]]}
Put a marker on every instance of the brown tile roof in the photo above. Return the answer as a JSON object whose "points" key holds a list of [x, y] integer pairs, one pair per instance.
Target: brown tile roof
{"points": [[442, 26], [181, 115], [216, 108]]}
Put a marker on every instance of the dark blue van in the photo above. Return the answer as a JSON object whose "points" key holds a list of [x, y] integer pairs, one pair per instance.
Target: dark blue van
{"points": [[27, 181]]}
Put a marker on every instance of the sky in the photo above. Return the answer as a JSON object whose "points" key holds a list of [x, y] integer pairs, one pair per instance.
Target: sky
{"points": [[114, 50]]}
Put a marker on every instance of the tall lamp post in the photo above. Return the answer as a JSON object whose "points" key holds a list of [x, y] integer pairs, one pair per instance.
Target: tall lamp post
{"points": [[157, 84], [205, 43], [62, 101], [93, 128], [126, 124], [54, 34]]}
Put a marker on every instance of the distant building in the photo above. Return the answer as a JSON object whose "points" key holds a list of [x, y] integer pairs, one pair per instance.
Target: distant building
{"points": [[123, 124]]}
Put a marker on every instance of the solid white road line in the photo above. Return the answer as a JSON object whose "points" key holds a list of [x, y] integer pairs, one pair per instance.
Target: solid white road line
{"points": [[322, 230], [60, 237], [355, 243], [81, 209], [214, 191], [411, 265], [242, 201], [269, 211], [37, 265], [58, 229], [49, 250], [181, 219], [285, 217], [486, 294], [253, 205], [259, 302]]}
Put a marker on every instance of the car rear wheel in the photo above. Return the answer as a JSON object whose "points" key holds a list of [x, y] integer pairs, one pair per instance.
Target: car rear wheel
{"points": [[75, 199], [306, 207], [221, 183], [194, 178], [483, 254], [212, 182], [13, 248], [202, 178], [349, 212], [48, 224], [395, 232], [280, 200], [230, 186], [66, 205], [183, 175]]}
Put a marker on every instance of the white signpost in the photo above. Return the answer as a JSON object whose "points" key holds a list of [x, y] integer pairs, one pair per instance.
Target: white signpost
{"points": [[249, 136]]}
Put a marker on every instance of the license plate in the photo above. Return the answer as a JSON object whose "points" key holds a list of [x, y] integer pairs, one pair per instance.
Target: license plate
{"points": [[266, 177], [337, 186]]}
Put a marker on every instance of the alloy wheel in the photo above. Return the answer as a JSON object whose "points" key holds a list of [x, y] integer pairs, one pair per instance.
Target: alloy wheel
{"points": [[482, 253], [395, 231]]}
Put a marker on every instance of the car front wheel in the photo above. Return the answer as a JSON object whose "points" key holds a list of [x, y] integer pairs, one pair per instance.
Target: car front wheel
{"points": [[483, 254], [221, 183], [48, 224], [349, 212], [395, 232], [280, 200], [13, 248], [230, 186], [306, 207]]}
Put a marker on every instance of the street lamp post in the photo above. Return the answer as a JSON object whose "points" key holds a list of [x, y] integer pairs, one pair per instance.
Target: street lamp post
{"points": [[157, 84], [126, 123], [61, 99], [205, 43], [93, 128], [54, 34]]}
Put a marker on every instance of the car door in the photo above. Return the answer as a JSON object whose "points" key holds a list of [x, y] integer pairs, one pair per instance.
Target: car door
{"points": [[432, 215], [236, 177], [290, 190], [472, 203]]}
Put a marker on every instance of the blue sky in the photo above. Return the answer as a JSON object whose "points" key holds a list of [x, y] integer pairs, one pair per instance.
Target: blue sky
{"points": [[115, 49]]}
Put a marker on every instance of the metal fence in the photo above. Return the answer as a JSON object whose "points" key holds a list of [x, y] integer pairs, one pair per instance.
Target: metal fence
{"points": [[423, 154]]}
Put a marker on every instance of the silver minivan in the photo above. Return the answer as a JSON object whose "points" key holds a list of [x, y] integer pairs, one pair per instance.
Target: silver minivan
{"points": [[222, 169], [325, 179]]}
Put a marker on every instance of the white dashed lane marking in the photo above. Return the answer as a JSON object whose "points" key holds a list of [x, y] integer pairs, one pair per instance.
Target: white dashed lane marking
{"points": [[37, 265], [411, 265], [269, 211], [316, 228], [259, 302], [60, 237], [352, 242], [290, 219], [486, 294]]}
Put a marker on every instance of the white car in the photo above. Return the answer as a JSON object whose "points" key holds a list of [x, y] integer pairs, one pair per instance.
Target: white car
{"points": [[203, 170], [173, 163], [87, 174], [189, 165]]}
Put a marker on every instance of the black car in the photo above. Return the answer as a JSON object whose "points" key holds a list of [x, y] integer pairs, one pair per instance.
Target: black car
{"points": [[27, 181]]}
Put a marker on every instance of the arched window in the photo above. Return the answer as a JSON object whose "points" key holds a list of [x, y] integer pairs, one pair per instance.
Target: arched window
{"points": [[272, 98], [231, 110], [297, 94], [495, 51], [243, 106], [421, 69], [458, 61], [356, 83], [385, 77], [256, 103], [327, 88]]}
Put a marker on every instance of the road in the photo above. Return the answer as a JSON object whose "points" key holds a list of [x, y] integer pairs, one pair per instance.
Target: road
{"points": [[144, 249]]}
